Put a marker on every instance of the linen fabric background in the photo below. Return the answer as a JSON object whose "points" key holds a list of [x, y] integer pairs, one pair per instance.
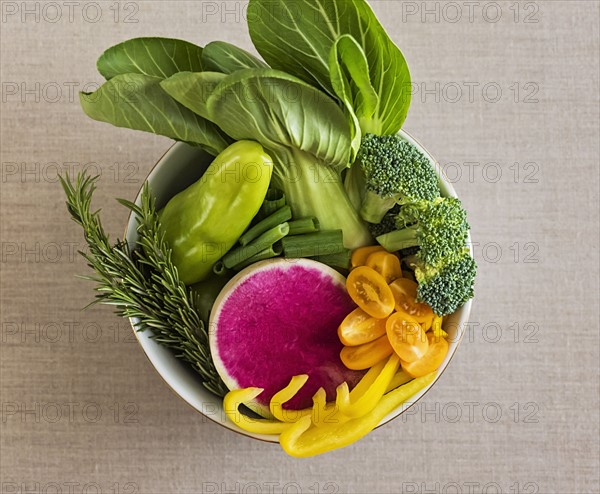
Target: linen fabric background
{"points": [[506, 97]]}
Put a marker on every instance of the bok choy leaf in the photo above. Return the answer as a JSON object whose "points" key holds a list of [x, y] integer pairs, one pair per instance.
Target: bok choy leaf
{"points": [[297, 37], [220, 56], [157, 57], [349, 70], [136, 101], [192, 89]]}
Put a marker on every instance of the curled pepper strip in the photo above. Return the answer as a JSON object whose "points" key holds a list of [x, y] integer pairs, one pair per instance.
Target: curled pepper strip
{"points": [[324, 413], [365, 400], [342, 397], [301, 440], [285, 395], [231, 404], [320, 408], [367, 380]]}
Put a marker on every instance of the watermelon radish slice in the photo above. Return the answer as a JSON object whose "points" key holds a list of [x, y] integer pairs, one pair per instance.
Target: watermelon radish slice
{"points": [[277, 319]]}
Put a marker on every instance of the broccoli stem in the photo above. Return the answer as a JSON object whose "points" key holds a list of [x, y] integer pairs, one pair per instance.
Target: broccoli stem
{"points": [[313, 189], [400, 239], [375, 207]]}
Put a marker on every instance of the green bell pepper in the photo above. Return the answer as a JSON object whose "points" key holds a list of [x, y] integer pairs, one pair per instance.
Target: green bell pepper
{"points": [[202, 223]]}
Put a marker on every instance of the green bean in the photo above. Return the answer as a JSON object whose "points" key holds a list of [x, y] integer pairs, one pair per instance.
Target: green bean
{"points": [[274, 200], [263, 242], [304, 225], [219, 268], [314, 244], [339, 260], [274, 250], [277, 218]]}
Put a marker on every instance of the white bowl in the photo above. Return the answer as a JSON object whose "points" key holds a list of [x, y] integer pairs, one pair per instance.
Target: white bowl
{"points": [[181, 166]]}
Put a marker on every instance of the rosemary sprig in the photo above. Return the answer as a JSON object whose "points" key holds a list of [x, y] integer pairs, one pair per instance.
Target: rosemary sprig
{"points": [[143, 283]]}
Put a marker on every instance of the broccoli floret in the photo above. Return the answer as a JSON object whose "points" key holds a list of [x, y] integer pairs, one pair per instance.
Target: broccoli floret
{"points": [[447, 285], [438, 228], [387, 224], [395, 172]]}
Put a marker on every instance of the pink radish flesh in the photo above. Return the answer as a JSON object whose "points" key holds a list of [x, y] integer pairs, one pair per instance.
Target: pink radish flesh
{"points": [[280, 322]]}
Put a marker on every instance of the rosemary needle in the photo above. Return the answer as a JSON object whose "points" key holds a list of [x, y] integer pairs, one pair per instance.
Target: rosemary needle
{"points": [[143, 283]]}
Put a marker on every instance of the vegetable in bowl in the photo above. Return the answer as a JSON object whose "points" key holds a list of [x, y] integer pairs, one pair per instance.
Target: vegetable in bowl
{"points": [[324, 111], [393, 172], [207, 219], [273, 321]]}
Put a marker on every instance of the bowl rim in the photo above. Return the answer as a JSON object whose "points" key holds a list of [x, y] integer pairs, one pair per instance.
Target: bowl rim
{"points": [[272, 439]]}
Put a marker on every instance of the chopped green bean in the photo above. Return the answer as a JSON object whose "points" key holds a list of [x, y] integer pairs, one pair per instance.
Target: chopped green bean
{"points": [[277, 218], [314, 244], [274, 200], [339, 260], [266, 240], [274, 251], [304, 225], [219, 268]]}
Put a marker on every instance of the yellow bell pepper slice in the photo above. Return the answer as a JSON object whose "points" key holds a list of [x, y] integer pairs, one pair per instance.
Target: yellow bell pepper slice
{"points": [[363, 400], [231, 404], [399, 379], [285, 395], [367, 380], [324, 413], [342, 397], [302, 440], [438, 332], [319, 408]]}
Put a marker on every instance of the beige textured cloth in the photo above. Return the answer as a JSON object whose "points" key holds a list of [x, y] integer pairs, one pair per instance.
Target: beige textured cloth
{"points": [[507, 99]]}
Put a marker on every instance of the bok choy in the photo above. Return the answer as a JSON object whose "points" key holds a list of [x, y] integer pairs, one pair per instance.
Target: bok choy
{"points": [[301, 127], [301, 38]]}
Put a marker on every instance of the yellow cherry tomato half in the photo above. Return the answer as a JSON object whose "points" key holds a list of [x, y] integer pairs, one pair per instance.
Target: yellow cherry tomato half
{"points": [[366, 356], [431, 361], [370, 292], [407, 337], [405, 296], [386, 264], [360, 256], [359, 328]]}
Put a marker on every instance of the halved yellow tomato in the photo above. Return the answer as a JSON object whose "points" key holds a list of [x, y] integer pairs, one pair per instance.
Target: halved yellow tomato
{"points": [[359, 328], [366, 356], [431, 361], [405, 296], [407, 337], [370, 292], [386, 264], [360, 256]]}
